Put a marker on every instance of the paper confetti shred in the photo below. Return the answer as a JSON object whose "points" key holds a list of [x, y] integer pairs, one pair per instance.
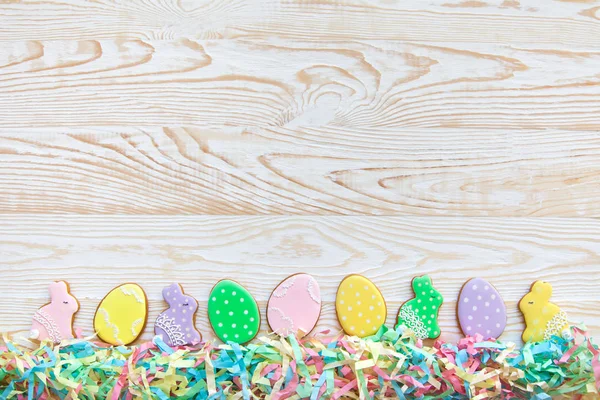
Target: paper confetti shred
{"points": [[390, 364]]}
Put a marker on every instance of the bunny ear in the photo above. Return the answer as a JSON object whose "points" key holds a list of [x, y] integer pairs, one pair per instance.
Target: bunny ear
{"points": [[543, 289], [177, 288], [58, 288], [170, 291], [421, 282]]}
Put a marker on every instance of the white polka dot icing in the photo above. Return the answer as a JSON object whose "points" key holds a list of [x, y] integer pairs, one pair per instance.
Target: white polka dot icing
{"points": [[233, 317], [421, 313], [543, 319], [360, 306], [481, 309], [173, 323]]}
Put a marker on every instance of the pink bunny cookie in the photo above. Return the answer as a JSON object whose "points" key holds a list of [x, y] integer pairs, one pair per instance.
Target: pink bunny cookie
{"points": [[54, 321], [176, 325]]}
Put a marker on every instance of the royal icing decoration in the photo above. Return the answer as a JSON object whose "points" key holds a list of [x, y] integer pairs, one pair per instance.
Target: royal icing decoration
{"points": [[360, 307], [175, 325], [294, 306], [54, 321], [121, 315], [542, 318], [421, 313], [481, 309], [233, 312]]}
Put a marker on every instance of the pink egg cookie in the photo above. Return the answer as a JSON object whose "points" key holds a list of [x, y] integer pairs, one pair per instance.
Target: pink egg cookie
{"points": [[481, 309], [54, 321], [294, 306]]}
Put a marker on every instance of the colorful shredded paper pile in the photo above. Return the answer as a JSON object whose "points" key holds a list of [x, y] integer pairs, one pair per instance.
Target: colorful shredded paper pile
{"points": [[387, 365]]}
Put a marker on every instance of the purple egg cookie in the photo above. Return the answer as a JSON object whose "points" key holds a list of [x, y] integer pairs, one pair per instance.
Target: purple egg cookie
{"points": [[481, 309], [176, 324]]}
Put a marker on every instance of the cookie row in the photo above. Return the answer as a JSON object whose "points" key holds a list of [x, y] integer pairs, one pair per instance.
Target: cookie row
{"points": [[294, 308]]}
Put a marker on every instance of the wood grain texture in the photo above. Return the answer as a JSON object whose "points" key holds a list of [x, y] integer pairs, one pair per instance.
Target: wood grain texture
{"points": [[328, 170], [482, 21], [96, 253], [292, 83]]}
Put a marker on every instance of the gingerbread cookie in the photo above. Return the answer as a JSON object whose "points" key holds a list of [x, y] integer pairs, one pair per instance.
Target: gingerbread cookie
{"points": [[481, 309], [360, 306], [232, 312], [421, 313], [294, 306], [54, 321], [542, 318], [121, 315], [176, 325]]}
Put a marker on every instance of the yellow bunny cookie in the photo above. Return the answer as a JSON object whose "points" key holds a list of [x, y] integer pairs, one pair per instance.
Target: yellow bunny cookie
{"points": [[542, 318]]}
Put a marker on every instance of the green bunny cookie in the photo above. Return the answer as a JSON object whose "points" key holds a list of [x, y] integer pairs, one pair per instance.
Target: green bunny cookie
{"points": [[421, 313]]}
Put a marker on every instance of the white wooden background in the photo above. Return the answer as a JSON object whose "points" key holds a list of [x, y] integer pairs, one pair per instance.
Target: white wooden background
{"points": [[161, 141]]}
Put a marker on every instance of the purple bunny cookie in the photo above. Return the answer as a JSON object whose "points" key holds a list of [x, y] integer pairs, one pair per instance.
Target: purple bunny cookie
{"points": [[176, 324]]}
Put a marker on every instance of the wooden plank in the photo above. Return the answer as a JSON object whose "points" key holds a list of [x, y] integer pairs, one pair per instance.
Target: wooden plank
{"points": [[292, 83], [324, 170], [96, 253], [489, 21]]}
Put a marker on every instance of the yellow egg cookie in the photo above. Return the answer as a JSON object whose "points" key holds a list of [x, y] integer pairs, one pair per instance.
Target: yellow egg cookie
{"points": [[121, 315], [360, 307], [542, 318]]}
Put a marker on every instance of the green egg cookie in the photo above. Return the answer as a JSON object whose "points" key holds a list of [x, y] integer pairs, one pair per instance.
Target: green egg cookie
{"points": [[421, 313], [233, 312]]}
